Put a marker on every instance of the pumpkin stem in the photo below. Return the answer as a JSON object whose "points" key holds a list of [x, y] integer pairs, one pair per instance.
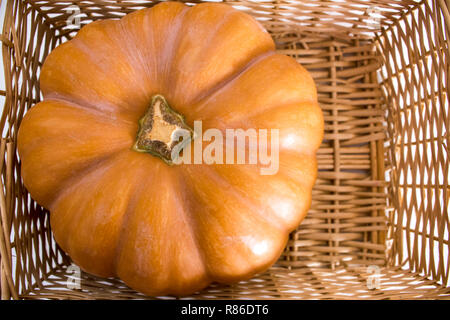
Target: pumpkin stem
{"points": [[160, 130]]}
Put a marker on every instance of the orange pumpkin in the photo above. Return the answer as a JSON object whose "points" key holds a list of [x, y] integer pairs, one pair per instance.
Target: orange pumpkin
{"points": [[161, 228]]}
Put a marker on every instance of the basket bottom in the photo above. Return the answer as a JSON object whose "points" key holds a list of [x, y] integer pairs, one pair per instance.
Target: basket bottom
{"points": [[277, 283]]}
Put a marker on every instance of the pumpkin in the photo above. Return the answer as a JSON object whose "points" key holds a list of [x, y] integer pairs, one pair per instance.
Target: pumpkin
{"points": [[117, 205]]}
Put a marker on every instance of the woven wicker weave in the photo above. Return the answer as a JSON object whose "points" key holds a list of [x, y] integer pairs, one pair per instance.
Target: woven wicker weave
{"points": [[379, 224]]}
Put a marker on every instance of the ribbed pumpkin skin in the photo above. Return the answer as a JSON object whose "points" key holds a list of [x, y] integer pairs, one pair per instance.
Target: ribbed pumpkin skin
{"points": [[169, 229]]}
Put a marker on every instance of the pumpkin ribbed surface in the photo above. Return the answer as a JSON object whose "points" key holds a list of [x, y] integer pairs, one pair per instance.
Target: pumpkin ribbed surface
{"points": [[169, 229]]}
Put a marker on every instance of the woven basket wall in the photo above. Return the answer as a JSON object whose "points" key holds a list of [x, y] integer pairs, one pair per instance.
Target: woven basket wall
{"points": [[379, 224]]}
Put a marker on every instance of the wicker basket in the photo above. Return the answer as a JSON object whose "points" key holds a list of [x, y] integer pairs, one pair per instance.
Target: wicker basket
{"points": [[379, 224]]}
